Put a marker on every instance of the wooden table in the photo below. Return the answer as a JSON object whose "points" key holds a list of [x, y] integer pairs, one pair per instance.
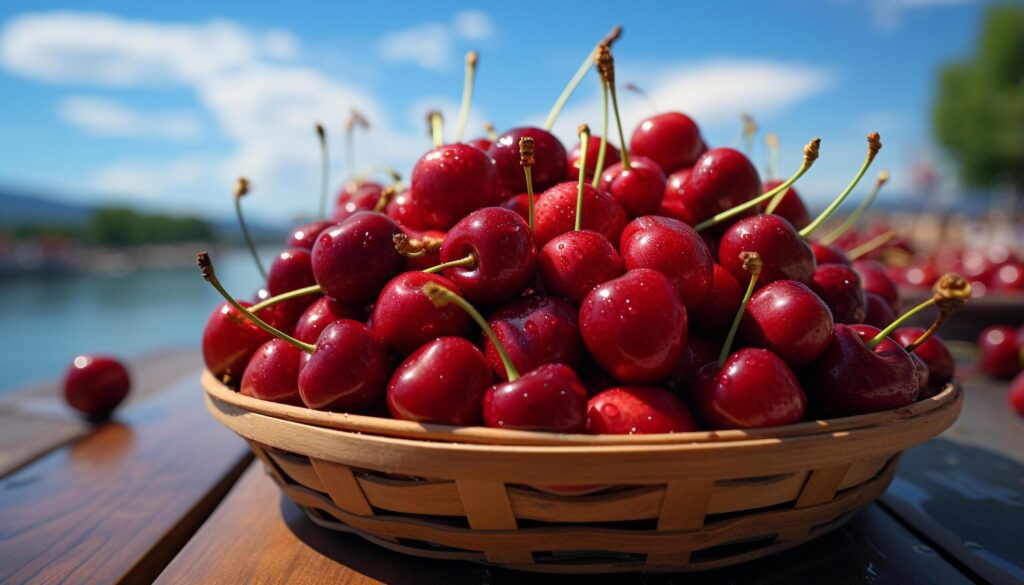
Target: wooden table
{"points": [[164, 493]]}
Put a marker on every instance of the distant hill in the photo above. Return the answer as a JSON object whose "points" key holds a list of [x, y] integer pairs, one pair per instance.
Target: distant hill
{"points": [[21, 207]]}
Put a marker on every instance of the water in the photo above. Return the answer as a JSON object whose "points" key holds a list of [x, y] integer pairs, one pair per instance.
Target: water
{"points": [[46, 322]]}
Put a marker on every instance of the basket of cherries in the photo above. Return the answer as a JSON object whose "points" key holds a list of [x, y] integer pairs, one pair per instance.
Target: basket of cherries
{"points": [[612, 359]]}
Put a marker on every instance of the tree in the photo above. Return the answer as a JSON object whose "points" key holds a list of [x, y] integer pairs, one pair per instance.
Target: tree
{"points": [[979, 111]]}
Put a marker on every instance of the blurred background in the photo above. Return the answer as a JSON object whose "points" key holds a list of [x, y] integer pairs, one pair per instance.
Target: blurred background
{"points": [[124, 126]]}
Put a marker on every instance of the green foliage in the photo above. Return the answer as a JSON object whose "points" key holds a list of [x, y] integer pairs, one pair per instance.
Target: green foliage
{"points": [[979, 111], [120, 226]]}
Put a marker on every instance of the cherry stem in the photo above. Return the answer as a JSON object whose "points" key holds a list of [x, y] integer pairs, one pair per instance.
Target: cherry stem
{"points": [[206, 266], [874, 145], [873, 343], [241, 190], [472, 58], [489, 130], [606, 65], [441, 296], [584, 131], [324, 168], [643, 95], [752, 264], [849, 222], [411, 248], [870, 245], [599, 167], [386, 195], [468, 260], [355, 119], [772, 140], [292, 294], [949, 293], [749, 130], [436, 124], [810, 155], [527, 161], [610, 38]]}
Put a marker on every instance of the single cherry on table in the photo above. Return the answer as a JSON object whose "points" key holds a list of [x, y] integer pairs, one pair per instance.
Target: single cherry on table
{"points": [[95, 384]]}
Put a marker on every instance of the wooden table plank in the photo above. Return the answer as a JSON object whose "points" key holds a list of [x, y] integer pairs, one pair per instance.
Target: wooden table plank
{"points": [[256, 536], [120, 502]]}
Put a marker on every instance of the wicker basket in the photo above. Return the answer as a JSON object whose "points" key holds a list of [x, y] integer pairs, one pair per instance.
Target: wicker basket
{"points": [[681, 502]]}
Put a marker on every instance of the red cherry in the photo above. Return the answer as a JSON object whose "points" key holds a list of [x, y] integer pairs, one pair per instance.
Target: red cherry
{"points": [[94, 385], [319, 315], [716, 313], [671, 139], [753, 388], [877, 312], [638, 410], [432, 254], [229, 340], [786, 256], [356, 197], [347, 371], [672, 248], [405, 213], [791, 206], [353, 260], [535, 330], [829, 254], [1008, 277], [933, 352], [305, 235], [1000, 356], [839, 286], [291, 270], [875, 280], [482, 143], [555, 213], [551, 166], [572, 264], [639, 189], [273, 373], [676, 183], [406, 319], [519, 204], [676, 209], [550, 398], [635, 326], [452, 181], [1015, 397], [611, 156], [503, 251], [699, 353], [722, 178], [443, 381], [788, 319]]}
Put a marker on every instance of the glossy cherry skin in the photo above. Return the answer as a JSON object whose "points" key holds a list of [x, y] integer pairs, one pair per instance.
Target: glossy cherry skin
{"points": [[482, 143], [452, 181], [754, 388], [555, 213], [550, 167], [229, 340], [638, 410], [348, 370], [405, 213], [700, 351], [874, 279], [829, 254], [321, 313], [406, 319], [1008, 277], [635, 326], [292, 269], [550, 398], [305, 235], [672, 248], [572, 264], [788, 319], [784, 254], [500, 241], [671, 139], [849, 378], [273, 373], [867, 333], [353, 260], [1015, 397], [611, 156], [933, 352], [1000, 356], [639, 189], [356, 197], [839, 286], [676, 209], [791, 207], [535, 330], [519, 204], [676, 183], [94, 385], [443, 381], [715, 315], [877, 311], [721, 178]]}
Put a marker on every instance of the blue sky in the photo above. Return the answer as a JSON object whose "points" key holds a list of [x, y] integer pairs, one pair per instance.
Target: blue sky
{"points": [[163, 104]]}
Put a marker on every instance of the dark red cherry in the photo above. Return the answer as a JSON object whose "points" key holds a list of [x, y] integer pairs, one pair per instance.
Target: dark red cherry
{"points": [[635, 326], [700, 352], [1015, 397], [443, 381], [483, 144], [535, 330], [504, 255], [94, 385], [611, 156], [452, 181], [672, 140], [405, 213], [638, 410], [933, 352], [305, 235], [406, 319], [273, 373], [347, 371], [356, 196], [676, 183], [432, 255], [791, 207], [788, 319], [1000, 356], [353, 260], [715, 315], [672, 248], [1008, 277], [877, 312], [829, 254], [292, 269], [754, 388], [229, 340], [551, 166], [867, 333], [321, 313], [550, 398], [555, 213], [639, 189], [676, 209], [519, 204], [839, 286], [874, 279], [721, 178], [572, 264], [786, 256]]}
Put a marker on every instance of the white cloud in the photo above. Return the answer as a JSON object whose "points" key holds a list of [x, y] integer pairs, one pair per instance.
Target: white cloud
{"points": [[105, 117], [474, 25], [431, 45], [149, 180]]}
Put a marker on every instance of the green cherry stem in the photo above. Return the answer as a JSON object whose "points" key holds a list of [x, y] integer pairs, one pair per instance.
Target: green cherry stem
{"points": [[950, 293], [467, 261], [241, 190], [599, 167], [874, 145], [870, 245], [206, 266], [849, 222], [772, 140], [292, 294], [472, 58], [441, 296], [610, 38], [436, 121], [527, 161], [752, 264], [584, 132], [810, 155], [325, 165], [489, 130], [606, 65]]}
